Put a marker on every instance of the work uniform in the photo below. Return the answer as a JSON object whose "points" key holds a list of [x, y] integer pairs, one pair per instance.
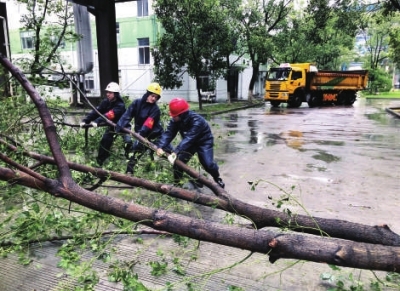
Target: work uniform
{"points": [[146, 123], [196, 138], [113, 110]]}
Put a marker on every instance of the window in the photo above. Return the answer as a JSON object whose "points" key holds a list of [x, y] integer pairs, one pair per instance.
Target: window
{"points": [[89, 82], [144, 51], [206, 84], [27, 39], [89, 85], [296, 75], [54, 40], [143, 8], [117, 32]]}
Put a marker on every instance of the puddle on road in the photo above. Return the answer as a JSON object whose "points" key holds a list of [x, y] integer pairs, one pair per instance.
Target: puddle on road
{"points": [[283, 111], [319, 168], [326, 157], [329, 142], [382, 118], [243, 139], [379, 137]]}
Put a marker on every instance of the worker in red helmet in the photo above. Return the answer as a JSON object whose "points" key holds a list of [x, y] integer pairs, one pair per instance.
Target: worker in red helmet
{"points": [[196, 138]]}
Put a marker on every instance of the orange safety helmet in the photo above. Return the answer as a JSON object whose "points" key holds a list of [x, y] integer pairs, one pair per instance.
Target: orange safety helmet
{"points": [[178, 106]]}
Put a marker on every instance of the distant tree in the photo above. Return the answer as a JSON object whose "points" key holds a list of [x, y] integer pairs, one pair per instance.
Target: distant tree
{"points": [[379, 32], [388, 6], [380, 81], [260, 21], [330, 30], [290, 44], [376, 29], [234, 45], [394, 44], [194, 40], [394, 36], [52, 25]]}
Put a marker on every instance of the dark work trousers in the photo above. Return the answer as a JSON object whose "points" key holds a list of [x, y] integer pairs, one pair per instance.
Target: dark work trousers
{"points": [[135, 149], [205, 152], [105, 146]]}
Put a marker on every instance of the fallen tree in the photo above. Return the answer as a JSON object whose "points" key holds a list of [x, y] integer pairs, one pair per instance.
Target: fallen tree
{"points": [[259, 217], [329, 241]]}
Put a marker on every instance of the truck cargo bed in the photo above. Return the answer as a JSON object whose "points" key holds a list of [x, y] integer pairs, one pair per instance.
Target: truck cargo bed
{"points": [[344, 80]]}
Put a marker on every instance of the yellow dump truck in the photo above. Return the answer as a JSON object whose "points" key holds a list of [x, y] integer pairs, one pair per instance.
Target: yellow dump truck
{"points": [[297, 83]]}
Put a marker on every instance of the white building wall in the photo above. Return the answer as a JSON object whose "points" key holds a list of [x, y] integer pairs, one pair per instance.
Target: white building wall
{"points": [[14, 10], [134, 78], [129, 9]]}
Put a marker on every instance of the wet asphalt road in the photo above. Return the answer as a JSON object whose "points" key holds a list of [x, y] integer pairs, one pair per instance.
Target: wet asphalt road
{"points": [[338, 162]]}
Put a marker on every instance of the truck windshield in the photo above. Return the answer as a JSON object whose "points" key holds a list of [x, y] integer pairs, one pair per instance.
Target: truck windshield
{"points": [[278, 74]]}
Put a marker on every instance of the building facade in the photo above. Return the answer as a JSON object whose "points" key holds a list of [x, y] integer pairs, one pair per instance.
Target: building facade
{"points": [[137, 31]]}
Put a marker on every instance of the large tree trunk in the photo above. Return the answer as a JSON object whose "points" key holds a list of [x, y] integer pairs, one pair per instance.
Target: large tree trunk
{"points": [[199, 93], [253, 79], [277, 244], [365, 248], [258, 217]]}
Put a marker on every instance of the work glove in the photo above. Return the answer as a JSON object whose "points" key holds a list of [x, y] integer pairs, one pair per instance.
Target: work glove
{"points": [[160, 152], [94, 124], [172, 158], [82, 124]]}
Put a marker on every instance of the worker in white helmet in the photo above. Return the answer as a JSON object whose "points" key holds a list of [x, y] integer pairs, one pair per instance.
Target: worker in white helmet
{"points": [[112, 108]]}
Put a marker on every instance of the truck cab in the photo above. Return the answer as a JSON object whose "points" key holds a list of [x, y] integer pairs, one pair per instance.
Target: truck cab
{"points": [[286, 83]]}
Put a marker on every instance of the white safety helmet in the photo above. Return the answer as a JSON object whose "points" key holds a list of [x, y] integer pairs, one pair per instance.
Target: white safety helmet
{"points": [[113, 87]]}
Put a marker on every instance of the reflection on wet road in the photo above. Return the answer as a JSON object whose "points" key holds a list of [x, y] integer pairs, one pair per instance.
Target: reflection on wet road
{"points": [[367, 125], [337, 157]]}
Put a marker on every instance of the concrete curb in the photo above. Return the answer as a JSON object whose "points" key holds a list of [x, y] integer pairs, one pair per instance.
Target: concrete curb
{"points": [[394, 111]]}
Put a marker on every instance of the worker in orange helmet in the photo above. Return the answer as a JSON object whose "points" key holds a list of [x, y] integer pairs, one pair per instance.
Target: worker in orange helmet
{"points": [[196, 138], [146, 115]]}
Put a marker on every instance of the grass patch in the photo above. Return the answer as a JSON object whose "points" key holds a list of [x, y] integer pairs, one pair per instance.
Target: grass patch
{"points": [[382, 95], [209, 108]]}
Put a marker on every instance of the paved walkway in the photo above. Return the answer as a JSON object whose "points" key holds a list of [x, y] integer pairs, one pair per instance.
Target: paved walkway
{"points": [[210, 271]]}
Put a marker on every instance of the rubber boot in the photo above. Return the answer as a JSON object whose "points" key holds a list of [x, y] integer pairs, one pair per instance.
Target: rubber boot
{"points": [[100, 162], [220, 182], [131, 166]]}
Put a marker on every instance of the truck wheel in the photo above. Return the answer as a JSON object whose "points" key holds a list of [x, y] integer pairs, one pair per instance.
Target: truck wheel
{"points": [[340, 99], [314, 101], [295, 101], [350, 98], [275, 103]]}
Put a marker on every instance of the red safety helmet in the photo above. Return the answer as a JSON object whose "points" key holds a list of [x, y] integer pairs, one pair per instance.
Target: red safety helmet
{"points": [[178, 106]]}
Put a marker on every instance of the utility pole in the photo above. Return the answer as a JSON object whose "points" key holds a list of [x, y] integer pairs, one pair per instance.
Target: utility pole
{"points": [[106, 33]]}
